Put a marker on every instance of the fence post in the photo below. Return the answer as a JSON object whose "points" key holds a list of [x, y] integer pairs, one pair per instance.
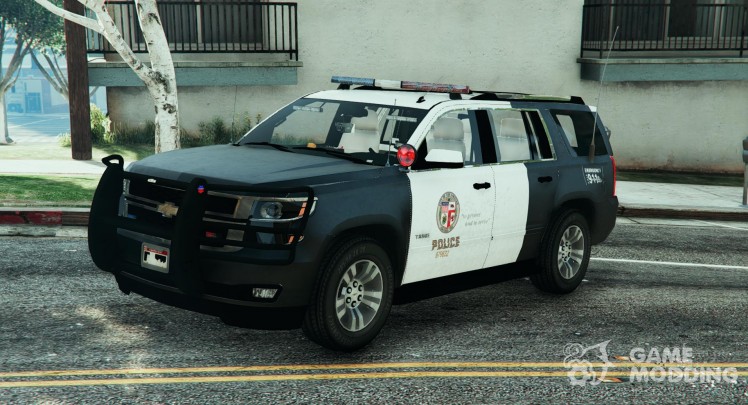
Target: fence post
{"points": [[742, 37], [745, 174]]}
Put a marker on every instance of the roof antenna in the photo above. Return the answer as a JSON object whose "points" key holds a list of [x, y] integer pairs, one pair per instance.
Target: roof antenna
{"points": [[591, 155]]}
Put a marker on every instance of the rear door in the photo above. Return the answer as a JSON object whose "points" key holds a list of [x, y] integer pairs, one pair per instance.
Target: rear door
{"points": [[525, 184]]}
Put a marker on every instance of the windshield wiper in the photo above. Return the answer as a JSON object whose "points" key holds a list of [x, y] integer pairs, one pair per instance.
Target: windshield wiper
{"points": [[274, 145], [336, 153]]}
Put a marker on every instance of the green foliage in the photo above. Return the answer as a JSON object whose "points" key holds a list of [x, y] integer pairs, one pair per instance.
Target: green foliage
{"points": [[214, 132], [123, 134], [64, 140], [217, 132], [34, 26], [100, 125]]}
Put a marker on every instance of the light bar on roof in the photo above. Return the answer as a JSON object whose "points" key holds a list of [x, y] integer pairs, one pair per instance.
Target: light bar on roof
{"points": [[405, 85], [352, 80], [435, 87]]}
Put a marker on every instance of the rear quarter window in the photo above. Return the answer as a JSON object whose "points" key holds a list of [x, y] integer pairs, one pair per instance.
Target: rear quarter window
{"points": [[577, 126]]}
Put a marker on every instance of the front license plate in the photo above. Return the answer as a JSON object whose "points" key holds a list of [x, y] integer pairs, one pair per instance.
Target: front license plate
{"points": [[155, 257]]}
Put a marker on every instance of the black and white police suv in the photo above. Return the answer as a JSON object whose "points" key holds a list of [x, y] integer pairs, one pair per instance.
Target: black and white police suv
{"points": [[323, 210]]}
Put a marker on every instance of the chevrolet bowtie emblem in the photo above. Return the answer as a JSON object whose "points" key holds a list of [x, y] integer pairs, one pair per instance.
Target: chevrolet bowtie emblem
{"points": [[167, 209]]}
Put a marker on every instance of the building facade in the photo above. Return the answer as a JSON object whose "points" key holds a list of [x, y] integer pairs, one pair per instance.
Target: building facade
{"points": [[674, 91]]}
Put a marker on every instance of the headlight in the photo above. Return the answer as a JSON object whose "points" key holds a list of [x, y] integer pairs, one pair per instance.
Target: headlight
{"points": [[271, 210], [280, 209]]}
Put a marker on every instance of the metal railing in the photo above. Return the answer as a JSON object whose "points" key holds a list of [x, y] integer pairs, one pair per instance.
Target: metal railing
{"points": [[205, 26], [647, 28]]}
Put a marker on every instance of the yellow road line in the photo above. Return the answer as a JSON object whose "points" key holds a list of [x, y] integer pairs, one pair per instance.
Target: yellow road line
{"points": [[364, 366], [299, 377]]}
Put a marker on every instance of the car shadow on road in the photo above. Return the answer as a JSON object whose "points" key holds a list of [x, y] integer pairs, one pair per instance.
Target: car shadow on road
{"points": [[462, 282]]}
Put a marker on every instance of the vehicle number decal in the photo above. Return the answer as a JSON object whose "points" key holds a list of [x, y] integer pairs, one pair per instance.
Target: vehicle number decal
{"points": [[593, 175]]}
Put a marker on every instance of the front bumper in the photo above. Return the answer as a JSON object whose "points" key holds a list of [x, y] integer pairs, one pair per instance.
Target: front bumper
{"points": [[213, 282]]}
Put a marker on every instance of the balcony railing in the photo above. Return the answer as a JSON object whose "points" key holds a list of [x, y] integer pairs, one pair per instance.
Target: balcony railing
{"points": [[204, 26], [674, 29]]}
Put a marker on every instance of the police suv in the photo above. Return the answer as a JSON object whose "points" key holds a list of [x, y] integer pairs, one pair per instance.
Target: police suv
{"points": [[323, 210]]}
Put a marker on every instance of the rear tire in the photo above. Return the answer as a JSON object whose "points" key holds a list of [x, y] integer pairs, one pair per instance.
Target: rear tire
{"points": [[564, 254], [352, 297]]}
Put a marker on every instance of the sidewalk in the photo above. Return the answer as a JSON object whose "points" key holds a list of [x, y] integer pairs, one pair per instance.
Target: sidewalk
{"points": [[637, 199]]}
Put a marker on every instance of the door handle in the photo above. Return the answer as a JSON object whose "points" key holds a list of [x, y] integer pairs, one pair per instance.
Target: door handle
{"points": [[545, 179], [479, 186]]}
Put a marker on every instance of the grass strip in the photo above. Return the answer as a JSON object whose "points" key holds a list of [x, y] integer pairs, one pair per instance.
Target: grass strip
{"points": [[34, 190]]}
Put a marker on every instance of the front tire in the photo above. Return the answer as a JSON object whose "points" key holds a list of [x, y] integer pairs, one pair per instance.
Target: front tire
{"points": [[352, 297], [564, 255]]}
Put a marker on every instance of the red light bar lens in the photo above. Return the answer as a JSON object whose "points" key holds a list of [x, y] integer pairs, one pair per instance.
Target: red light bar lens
{"points": [[406, 155], [435, 87]]}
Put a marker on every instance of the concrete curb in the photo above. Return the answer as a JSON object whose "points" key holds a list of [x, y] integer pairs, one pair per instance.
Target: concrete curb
{"points": [[44, 216], [716, 214]]}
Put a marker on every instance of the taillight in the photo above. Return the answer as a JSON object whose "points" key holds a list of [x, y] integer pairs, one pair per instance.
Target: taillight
{"points": [[615, 174]]}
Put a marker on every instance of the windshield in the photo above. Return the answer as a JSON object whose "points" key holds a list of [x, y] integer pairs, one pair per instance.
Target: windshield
{"points": [[366, 132]]}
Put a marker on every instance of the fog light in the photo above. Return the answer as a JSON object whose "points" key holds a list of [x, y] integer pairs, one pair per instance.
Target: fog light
{"points": [[264, 293]]}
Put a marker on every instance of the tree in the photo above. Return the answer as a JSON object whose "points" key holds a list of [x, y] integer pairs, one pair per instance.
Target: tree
{"points": [[33, 27], [51, 69], [159, 78]]}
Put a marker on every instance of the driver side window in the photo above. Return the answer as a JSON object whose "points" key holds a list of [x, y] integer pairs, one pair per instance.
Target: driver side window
{"points": [[453, 131]]}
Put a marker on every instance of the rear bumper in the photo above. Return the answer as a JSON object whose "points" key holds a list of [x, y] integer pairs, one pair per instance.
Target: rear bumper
{"points": [[217, 283], [605, 221]]}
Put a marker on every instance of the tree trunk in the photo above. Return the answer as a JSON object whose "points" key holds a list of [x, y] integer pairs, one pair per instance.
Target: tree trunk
{"points": [[162, 78], [80, 112], [167, 127], [5, 135]]}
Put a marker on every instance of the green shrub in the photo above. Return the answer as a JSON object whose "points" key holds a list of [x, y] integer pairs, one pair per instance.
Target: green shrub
{"points": [[64, 140], [100, 125], [217, 132], [123, 134], [213, 132]]}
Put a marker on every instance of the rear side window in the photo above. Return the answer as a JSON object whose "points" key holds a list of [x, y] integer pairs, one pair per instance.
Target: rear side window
{"points": [[577, 126], [519, 135]]}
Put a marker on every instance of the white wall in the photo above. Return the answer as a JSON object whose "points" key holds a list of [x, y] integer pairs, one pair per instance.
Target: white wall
{"points": [[509, 45]]}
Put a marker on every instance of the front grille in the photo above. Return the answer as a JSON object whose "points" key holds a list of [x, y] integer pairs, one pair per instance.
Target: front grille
{"points": [[229, 221], [158, 205], [153, 201]]}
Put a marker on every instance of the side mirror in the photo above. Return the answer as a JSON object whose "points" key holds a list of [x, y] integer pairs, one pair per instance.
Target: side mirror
{"points": [[445, 158], [607, 132]]}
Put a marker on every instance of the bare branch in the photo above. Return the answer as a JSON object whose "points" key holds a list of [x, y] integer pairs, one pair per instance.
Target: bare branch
{"points": [[56, 82], [14, 65], [57, 71]]}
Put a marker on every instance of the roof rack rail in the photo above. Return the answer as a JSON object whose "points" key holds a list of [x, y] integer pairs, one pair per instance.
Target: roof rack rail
{"points": [[497, 95], [455, 91]]}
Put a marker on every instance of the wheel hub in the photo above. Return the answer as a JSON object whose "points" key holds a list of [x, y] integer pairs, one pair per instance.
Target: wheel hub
{"points": [[571, 252], [354, 293], [359, 295]]}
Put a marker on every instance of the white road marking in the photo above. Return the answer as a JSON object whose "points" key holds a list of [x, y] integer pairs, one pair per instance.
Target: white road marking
{"points": [[723, 225], [34, 122], [711, 266]]}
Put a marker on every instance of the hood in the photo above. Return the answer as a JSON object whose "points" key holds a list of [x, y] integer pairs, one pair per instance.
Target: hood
{"points": [[251, 165]]}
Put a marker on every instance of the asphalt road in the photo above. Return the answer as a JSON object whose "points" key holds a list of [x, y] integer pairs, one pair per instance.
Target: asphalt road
{"points": [[501, 343], [37, 128]]}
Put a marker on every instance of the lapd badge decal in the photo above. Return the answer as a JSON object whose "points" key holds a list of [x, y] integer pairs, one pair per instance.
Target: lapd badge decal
{"points": [[448, 212]]}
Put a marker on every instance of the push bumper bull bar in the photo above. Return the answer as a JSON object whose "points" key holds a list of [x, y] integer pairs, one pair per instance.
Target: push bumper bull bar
{"points": [[188, 232]]}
